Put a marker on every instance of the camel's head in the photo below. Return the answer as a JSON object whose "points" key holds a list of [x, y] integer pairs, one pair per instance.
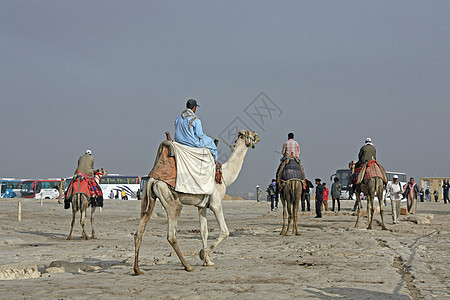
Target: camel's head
{"points": [[100, 173], [249, 137]]}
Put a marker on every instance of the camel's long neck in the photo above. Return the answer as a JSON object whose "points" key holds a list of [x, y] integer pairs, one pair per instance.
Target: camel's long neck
{"points": [[232, 167]]}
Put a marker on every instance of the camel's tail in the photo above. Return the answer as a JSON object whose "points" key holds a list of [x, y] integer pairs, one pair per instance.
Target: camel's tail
{"points": [[295, 189], [148, 198]]}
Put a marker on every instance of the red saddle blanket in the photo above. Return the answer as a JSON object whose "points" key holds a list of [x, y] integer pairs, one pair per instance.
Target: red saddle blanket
{"points": [[84, 184], [370, 170]]}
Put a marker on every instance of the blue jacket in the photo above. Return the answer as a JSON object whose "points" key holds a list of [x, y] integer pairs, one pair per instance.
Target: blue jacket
{"points": [[191, 133]]}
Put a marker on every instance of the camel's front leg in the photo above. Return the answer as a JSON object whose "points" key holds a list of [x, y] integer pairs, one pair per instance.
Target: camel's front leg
{"points": [[92, 221], [383, 226], [224, 233], [204, 252], [289, 209]]}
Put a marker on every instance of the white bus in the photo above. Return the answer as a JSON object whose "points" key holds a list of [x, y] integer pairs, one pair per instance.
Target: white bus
{"points": [[116, 183]]}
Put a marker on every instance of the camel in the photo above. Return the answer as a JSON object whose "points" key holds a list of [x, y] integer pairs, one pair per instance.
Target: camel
{"points": [[291, 194], [374, 185], [173, 201], [81, 202]]}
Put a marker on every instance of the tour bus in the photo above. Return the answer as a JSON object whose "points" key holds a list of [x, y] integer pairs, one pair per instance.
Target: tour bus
{"points": [[10, 187], [45, 189], [112, 186]]}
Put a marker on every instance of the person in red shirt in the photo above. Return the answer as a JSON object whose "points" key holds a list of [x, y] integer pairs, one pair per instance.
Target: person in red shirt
{"points": [[325, 196]]}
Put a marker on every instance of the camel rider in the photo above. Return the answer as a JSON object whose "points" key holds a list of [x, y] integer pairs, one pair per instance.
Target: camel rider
{"points": [[189, 132], [366, 153], [290, 148], [290, 166], [86, 164]]}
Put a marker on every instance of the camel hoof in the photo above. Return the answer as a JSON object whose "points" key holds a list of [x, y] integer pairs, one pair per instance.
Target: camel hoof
{"points": [[297, 234], [208, 264], [68, 238], [384, 228], [189, 268], [93, 237], [369, 228], [138, 272]]}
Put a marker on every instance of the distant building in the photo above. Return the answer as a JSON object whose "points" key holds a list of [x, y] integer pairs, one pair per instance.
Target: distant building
{"points": [[433, 183]]}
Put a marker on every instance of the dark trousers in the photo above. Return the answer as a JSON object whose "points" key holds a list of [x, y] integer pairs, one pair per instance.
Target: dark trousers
{"points": [[305, 198], [356, 204], [318, 207], [446, 197], [273, 201], [338, 204]]}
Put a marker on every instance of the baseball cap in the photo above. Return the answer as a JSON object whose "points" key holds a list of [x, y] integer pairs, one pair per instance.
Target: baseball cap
{"points": [[368, 140], [88, 151], [191, 103], [395, 177]]}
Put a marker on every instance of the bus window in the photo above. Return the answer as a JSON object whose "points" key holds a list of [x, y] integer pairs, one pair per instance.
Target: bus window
{"points": [[3, 189], [123, 180], [38, 187], [113, 180]]}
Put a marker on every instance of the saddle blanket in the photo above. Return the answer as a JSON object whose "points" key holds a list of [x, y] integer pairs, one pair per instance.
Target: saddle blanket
{"points": [[84, 184], [290, 169], [195, 170], [372, 169]]}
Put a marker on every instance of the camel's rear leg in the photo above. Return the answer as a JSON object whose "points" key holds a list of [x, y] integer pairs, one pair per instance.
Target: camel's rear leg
{"points": [[371, 212], [358, 211], [74, 213], [146, 213], [172, 238], [295, 214], [380, 193], [285, 216], [83, 220]]}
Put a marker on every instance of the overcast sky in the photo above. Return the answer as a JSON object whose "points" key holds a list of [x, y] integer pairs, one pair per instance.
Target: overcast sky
{"points": [[112, 76]]}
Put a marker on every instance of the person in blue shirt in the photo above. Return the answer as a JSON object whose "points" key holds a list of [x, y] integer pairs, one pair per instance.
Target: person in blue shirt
{"points": [[189, 132]]}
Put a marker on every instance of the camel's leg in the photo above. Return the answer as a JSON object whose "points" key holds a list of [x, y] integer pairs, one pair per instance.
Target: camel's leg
{"points": [[92, 221], [84, 206], [146, 213], [204, 252], [372, 210], [74, 213], [358, 211], [296, 205], [289, 209], [224, 233], [285, 213], [173, 209]]}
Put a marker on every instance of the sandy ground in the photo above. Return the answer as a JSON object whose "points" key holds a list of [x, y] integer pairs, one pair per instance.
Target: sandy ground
{"points": [[330, 260]]}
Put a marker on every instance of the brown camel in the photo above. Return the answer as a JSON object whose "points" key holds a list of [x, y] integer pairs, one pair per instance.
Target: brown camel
{"points": [[61, 190], [81, 201], [374, 185], [291, 194], [173, 201]]}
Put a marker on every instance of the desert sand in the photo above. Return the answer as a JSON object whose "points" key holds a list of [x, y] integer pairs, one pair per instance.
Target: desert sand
{"points": [[329, 260]]}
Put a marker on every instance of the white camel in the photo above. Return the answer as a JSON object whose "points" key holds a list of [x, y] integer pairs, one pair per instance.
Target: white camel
{"points": [[173, 202], [81, 202]]}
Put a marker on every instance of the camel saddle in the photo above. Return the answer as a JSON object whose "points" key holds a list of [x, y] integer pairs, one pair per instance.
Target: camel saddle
{"points": [[290, 168], [165, 167], [369, 170], [84, 184]]}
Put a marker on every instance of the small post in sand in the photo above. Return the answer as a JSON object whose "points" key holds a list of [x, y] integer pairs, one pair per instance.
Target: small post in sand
{"points": [[19, 216]]}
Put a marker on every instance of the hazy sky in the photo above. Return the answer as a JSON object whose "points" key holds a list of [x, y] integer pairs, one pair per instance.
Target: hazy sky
{"points": [[112, 76]]}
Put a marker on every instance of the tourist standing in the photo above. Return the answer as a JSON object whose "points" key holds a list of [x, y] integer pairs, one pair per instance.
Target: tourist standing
{"points": [[319, 198], [411, 193], [436, 195], [336, 193], [394, 190], [325, 196], [272, 192], [422, 194], [445, 188], [306, 195], [428, 194]]}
